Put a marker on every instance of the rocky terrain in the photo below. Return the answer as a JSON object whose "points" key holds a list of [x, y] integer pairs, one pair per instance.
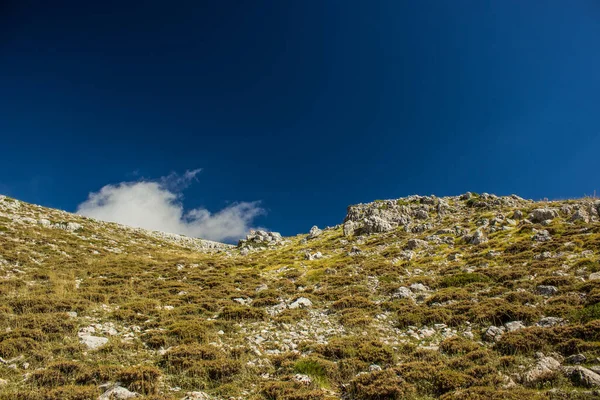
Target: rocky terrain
{"points": [[468, 297]]}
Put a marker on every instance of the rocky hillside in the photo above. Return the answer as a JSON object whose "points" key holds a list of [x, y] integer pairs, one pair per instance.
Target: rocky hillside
{"points": [[467, 297]]}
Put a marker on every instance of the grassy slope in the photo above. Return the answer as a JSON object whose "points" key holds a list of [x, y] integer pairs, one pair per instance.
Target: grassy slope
{"points": [[170, 314]]}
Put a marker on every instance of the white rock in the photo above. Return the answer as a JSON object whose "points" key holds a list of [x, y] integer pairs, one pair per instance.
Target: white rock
{"points": [[301, 302], [93, 342], [541, 369], [303, 379], [583, 377], [196, 396], [117, 393], [514, 326]]}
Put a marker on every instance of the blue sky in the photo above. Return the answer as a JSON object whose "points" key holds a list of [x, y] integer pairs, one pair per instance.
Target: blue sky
{"points": [[305, 106]]}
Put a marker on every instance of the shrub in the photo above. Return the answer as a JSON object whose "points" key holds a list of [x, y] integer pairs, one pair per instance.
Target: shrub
{"points": [[352, 302], [463, 279], [242, 313], [456, 345], [141, 379], [380, 385]]}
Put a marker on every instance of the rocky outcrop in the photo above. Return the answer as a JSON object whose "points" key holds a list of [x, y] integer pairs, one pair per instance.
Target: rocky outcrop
{"points": [[256, 238]]}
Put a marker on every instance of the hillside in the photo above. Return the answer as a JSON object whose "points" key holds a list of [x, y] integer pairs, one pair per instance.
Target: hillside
{"points": [[423, 297]]}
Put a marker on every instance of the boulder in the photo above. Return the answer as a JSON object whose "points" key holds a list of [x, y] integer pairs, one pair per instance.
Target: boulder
{"points": [[349, 228], [376, 224], [403, 293], [548, 322], [478, 237], [541, 236], [543, 367], [414, 244], [301, 302], [547, 290], [582, 376], [543, 214], [493, 333], [117, 392], [514, 326], [576, 359], [580, 215], [314, 232], [93, 342]]}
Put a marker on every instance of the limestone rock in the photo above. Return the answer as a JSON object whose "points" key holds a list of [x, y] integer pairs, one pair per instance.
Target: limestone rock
{"points": [[314, 232], [548, 322], [301, 302], [493, 333], [478, 237], [576, 359], [543, 367], [582, 376], [543, 214], [547, 290], [403, 293], [414, 244], [261, 237], [376, 224], [542, 236], [93, 342], [196, 396], [514, 326], [117, 393]]}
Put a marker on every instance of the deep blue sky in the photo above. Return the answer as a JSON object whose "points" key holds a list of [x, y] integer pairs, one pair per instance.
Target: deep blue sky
{"points": [[306, 105]]}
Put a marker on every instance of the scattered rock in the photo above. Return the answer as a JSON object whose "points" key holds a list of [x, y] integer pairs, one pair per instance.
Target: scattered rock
{"points": [[255, 237], [547, 290], [514, 326], [414, 244], [541, 236], [543, 367], [478, 237], [303, 379], [93, 342], [313, 256], [117, 393], [582, 376], [196, 396], [543, 214], [493, 333], [403, 293], [314, 232], [576, 359], [548, 322], [301, 302]]}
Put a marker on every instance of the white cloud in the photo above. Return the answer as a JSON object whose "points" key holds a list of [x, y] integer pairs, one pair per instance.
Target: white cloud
{"points": [[157, 205]]}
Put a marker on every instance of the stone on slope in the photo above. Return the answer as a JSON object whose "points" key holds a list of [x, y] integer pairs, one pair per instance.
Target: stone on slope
{"points": [[542, 368], [582, 376], [117, 393], [547, 290], [93, 342], [196, 396], [301, 302], [314, 232], [543, 214]]}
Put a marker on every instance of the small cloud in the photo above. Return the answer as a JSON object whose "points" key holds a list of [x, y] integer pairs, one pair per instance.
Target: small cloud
{"points": [[156, 205]]}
